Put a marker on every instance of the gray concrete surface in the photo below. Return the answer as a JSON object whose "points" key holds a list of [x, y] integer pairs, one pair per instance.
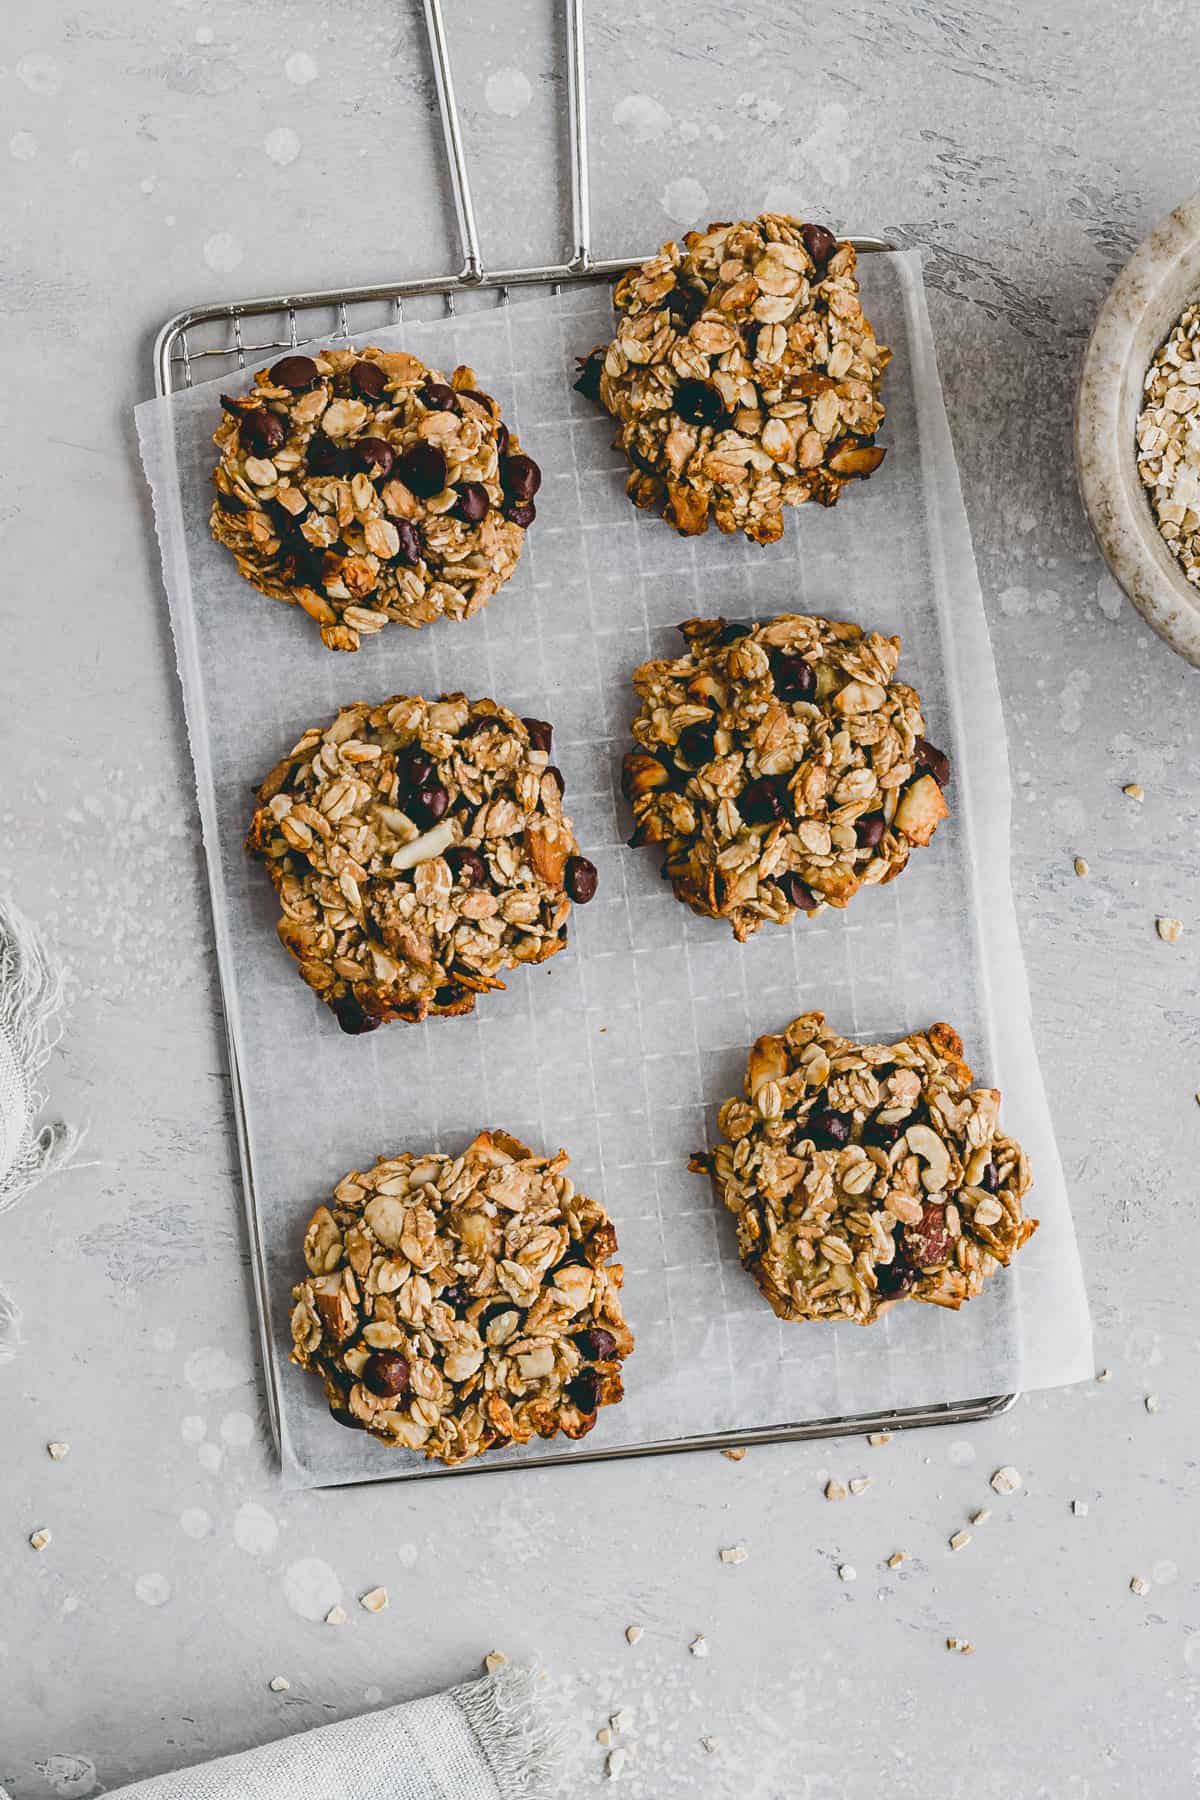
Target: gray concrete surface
{"points": [[160, 153]]}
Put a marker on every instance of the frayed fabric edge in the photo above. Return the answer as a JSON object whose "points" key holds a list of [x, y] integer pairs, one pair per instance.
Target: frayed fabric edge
{"points": [[524, 1752]]}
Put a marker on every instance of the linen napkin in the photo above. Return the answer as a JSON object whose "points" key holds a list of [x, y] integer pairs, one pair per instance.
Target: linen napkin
{"points": [[480, 1741]]}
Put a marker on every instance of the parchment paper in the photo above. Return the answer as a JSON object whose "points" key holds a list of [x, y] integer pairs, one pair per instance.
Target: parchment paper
{"points": [[622, 1047]]}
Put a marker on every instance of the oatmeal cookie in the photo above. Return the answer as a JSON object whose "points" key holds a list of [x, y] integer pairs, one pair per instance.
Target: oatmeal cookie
{"points": [[782, 767], [363, 487], [418, 848], [743, 377], [458, 1304], [864, 1174]]}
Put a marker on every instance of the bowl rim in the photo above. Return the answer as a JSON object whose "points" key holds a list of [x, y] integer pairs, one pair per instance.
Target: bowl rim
{"points": [[1117, 505]]}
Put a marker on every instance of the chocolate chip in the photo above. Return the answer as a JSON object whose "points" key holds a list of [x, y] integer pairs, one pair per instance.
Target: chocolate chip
{"points": [[422, 469], [541, 734], [502, 440], [386, 1373], [373, 455], [698, 743], [820, 243], [794, 678], [324, 456], [729, 634], [759, 802], [520, 512], [469, 864], [261, 431], [414, 767], [296, 372], [590, 370], [581, 879], [410, 550], [427, 804], [989, 1180], [827, 1129], [520, 476], [473, 504], [698, 402], [929, 1245], [928, 756], [584, 1391], [368, 380], [895, 1279], [798, 893], [439, 398], [686, 303], [556, 776], [351, 1017], [596, 1344], [868, 831], [485, 400]]}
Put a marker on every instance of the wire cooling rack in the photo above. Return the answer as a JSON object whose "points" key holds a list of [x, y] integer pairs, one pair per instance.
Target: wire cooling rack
{"points": [[203, 342]]}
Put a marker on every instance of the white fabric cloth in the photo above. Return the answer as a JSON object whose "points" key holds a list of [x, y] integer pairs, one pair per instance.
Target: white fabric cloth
{"points": [[31, 993], [481, 1741]]}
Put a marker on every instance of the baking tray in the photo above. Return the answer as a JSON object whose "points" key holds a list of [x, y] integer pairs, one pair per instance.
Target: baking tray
{"points": [[212, 340]]}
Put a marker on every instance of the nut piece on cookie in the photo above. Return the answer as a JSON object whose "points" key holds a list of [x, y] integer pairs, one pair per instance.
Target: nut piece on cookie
{"points": [[364, 487], [419, 849], [743, 376], [458, 1304], [781, 766], [865, 1174]]}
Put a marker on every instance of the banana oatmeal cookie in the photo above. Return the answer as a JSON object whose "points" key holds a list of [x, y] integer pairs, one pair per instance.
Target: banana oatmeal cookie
{"points": [[364, 487], [418, 848], [782, 767], [863, 1174], [460, 1304], [743, 377]]}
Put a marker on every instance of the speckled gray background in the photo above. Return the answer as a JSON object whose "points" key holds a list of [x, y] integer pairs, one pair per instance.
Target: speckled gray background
{"points": [[157, 154]]}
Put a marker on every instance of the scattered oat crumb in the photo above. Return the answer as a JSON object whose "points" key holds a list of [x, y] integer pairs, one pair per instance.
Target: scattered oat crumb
{"points": [[39, 1538], [710, 1745], [1006, 1480], [860, 1483], [960, 1540], [633, 1633], [56, 1452], [876, 1438], [699, 1646], [1169, 930], [614, 1762], [1135, 790], [736, 1553], [495, 1659], [964, 1646], [734, 1454], [374, 1600], [336, 1615], [981, 1515], [604, 1736], [1104, 1375], [1079, 1508], [834, 1490], [847, 1572], [1139, 1585], [279, 1684], [896, 1558], [621, 1721], [1082, 867], [1152, 1403]]}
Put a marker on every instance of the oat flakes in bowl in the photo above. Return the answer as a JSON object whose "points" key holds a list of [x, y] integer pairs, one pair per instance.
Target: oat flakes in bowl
{"points": [[744, 376], [455, 1305], [363, 487], [781, 766], [865, 1174], [419, 849]]}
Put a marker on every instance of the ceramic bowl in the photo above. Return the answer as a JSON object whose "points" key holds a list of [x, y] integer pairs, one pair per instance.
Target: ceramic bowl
{"points": [[1158, 281]]}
